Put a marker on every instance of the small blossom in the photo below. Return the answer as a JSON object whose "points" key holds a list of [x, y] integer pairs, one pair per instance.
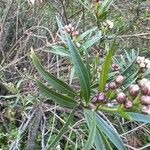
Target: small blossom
{"points": [[75, 33], [94, 99], [70, 25], [142, 65], [112, 86], [115, 67], [134, 90], [145, 100], [121, 98], [148, 66], [143, 82], [128, 104], [119, 79], [145, 109], [147, 61], [138, 59], [145, 89], [142, 59], [72, 29], [68, 29], [101, 97], [110, 24]]}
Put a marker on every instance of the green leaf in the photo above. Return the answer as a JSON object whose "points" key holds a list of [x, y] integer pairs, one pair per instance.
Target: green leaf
{"points": [[139, 117], [60, 27], [84, 34], [81, 70], [106, 67], [105, 141], [56, 97], [51, 79], [59, 50], [63, 130], [92, 129], [92, 41], [103, 9], [99, 143], [110, 133]]}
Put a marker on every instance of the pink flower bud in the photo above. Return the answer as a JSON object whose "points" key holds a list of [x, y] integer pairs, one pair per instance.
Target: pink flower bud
{"points": [[94, 99], [143, 82], [72, 29], [75, 33], [134, 90], [69, 25], [119, 79], [68, 30], [145, 109], [145, 89], [138, 60], [115, 67], [112, 86], [65, 27], [128, 104], [142, 65], [101, 97], [145, 100], [121, 98]]}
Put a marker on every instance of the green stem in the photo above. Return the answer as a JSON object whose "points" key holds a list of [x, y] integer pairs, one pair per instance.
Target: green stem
{"points": [[107, 109]]}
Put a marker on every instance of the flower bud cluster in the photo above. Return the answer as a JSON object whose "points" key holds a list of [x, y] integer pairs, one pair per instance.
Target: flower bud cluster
{"points": [[145, 98], [143, 62], [117, 82], [70, 29], [122, 99], [99, 98]]}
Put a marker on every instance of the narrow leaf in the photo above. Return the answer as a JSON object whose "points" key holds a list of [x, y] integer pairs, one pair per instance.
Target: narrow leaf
{"points": [[84, 34], [139, 117], [110, 133], [92, 129], [92, 41], [51, 79], [99, 141], [81, 70], [106, 66], [56, 97], [59, 50]]}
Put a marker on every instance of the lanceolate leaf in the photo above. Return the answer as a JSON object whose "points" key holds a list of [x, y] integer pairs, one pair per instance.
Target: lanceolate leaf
{"points": [[84, 34], [109, 132], [56, 97], [92, 129], [63, 130], [106, 66], [81, 70], [59, 50], [92, 41], [51, 79], [105, 6], [139, 117], [98, 141]]}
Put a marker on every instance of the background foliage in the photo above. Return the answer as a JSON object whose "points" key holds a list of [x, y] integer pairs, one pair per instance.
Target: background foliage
{"points": [[27, 118]]}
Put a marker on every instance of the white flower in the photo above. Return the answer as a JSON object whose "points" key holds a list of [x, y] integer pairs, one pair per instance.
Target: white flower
{"points": [[147, 61], [148, 66], [142, 65], [110, 24]]}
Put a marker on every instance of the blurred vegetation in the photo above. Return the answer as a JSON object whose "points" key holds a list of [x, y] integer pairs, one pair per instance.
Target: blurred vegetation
{"points": [[24, 25]]}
